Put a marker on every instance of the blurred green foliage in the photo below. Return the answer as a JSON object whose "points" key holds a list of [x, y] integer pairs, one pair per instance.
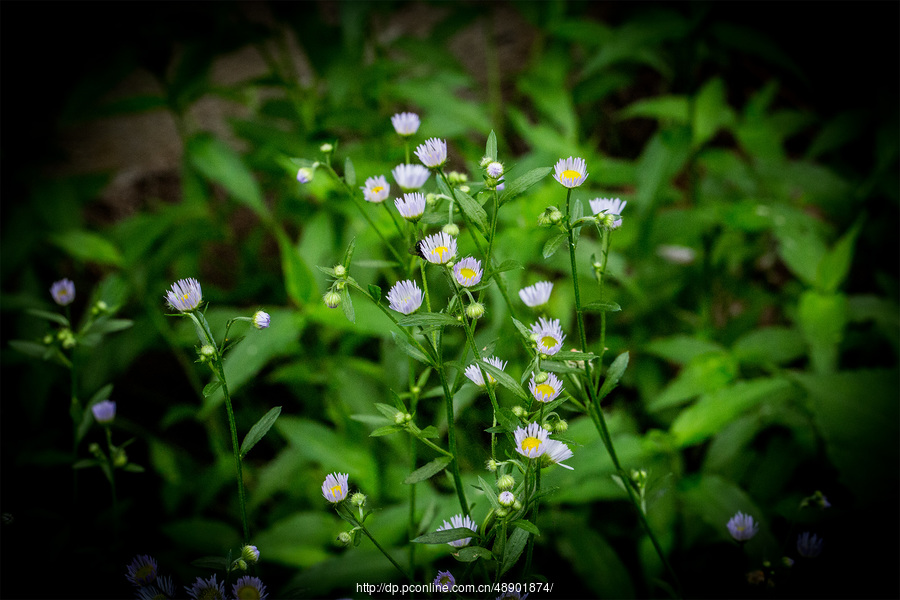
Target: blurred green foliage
{"points": [[756, 271]]}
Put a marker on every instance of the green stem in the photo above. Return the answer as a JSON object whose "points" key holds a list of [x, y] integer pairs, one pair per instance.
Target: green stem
{"points": [[451, 439], [220, 372], [352, 518]]}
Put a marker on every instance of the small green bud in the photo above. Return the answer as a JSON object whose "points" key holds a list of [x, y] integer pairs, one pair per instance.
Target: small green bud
{"points": [[485, 161], [535, 338], [415, 390], [99, 308], [250, 554], [518, 411], [540, 377], [239, 565], [326, 148], [787, 561], [556, 217], [491, 465], [304, 175], [501, 512], [475, 310], [561, 426], [517, 505], [450, 229], [94, 448], [464, 188], [340, 271], [606, 221], [120, 458], [358, 499], [506, 482], [207, 351], [340, 285], [344, 538], [548, 426], [332, 299], [400, 418], [456, 177], [48, 339], [431, 199]]}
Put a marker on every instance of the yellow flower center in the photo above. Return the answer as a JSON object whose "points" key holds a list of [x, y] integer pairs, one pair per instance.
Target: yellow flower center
{"points": [[549, 342], [248, 592], [440, 252], [336, 491], [377, 189], [740, 528], [445, 580], [467, 273], [143, 572], [544, 389], [530, 443], [570, 174]]}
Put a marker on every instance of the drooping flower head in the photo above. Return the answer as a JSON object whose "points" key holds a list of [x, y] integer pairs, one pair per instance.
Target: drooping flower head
{"points": [[809, 545], [433, 153], [474, 373], [335, 488], [63, 292], [549, 335], [142, 570], [457, 521], [376, 189], [261, 319], [571, 172], [185, 295], [438, 248], [104, 411], [410, 177], [207, 589], [250, 554], [537, 294], [742, 527], [468, 272], [546, 391], [406, 123], [249, 588], [411, 206], [557, 452], [445, 581], [610, 207], [405, 297], [531, 441]]}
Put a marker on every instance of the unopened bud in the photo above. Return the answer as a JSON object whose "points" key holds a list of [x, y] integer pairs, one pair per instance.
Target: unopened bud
{"points": [[207, 351], [431, 199], [332, 299], [485, 161], [540, 377], [501, 512], [491, 465], [517, 505], [304, 175], [555, 217], [326, 148], [344, 538], [340, 271], [561, 426], [240, 565], [250, 554], [475, 310], [464, 188], [506, 482], [450, 229], [358, 499], [506, 499], [518, 411]]}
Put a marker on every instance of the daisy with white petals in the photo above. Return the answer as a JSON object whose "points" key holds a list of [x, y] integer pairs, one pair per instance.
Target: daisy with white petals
{"points": [[335, 487], [405, 297], [608, 206], [571, 172], [185, 295], [557, 452], [537, 294], [438, 248], [549, 335], [406, 123], [411, 206], [376, 189], [457, 521], [468, 272], [531, 441], [433, 153], [548, 390], [474, 373], [410, 177]]}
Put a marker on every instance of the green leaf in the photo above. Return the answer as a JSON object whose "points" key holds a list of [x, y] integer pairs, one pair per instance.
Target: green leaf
{"points": [[822, 318], [109, 326], [712, 412], [259, 430], [521, 184], [711, 112], [613, 375], [347, 304], [473, 210], [447, 535], [675, 109], [524, 331], [835, 265], [601, 306], [507, 265], [348, 253], [489, 492], [513, 550], [50, 316], [349, 173], [472, 553], [87, 246], [490, 148], [428, 471], [374, 292], [771, 345], [387, 410], [298, 278], [504, 379], [210, 388], [387, 430], [553, 244], [705, 374], [681, 349], [409, 349], [219, 163], [527, 526], [427, 319], [573, 355], [32, 349], [507, 420]]}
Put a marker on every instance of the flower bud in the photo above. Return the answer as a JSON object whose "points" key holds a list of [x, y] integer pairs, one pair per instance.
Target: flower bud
{"points": [[340, 271], [501, 512], [485, 161], [326, 148], [506, 499], [491, 465], [120, 459], [207, 352], [517, 505], [456, 177], [431, 199], [561, 426], [506, 482], [344, 538], [332, 299], [358, 499], [606, 221], [415, 390], [548, 426], [556, 217], [450, 229], [304, 175], [494, 170], [340, 285], [540, 377], [464, 188], [400, 418], [261, 319], [239, 565], [475, 310], [250, 554], [518, 411], [48, 339], [99, 308]]}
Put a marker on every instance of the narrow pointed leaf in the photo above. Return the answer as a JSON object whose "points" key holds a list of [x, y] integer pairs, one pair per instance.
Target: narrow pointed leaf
{"points": [[599, 306], [428, 471], [504, 379], [613, 375], [490, 149], [521, 184], [553, 245], [447, 535], [259, 430]]}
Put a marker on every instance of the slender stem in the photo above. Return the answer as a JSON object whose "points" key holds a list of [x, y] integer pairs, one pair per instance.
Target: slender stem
{"points": [[394, 219], [352, 518], [451, 438], [220, 372]]}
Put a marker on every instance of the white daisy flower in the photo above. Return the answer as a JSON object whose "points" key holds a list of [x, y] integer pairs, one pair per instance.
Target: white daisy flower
{"points": [[474, 373], [405, 297], [376, 189], [531, 441], [609, 206], [410, 177], [411, 206], [556, 452], [406, 123], [438, 248], [433, 153], [571, 172], [335, 487], [550, 335], [537, 294], [547, 391], [468, 272], [185, 295], [457, 521]]}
